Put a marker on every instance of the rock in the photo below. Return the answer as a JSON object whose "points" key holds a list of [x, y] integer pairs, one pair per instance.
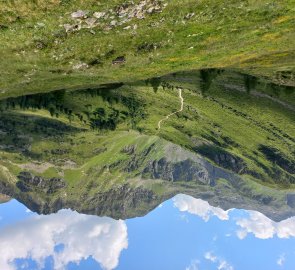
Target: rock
{"points": [[29, 182], [223, 158], [26, 177], [113, 23], [39, 25], [121, 201], [55, 184], [125, 12], [67, 27], [99, 15], [189, 16], [90, 22], [119, 60], [72, 27], [129, 149], [40, 44], [139, 10], [80, 14], [124, 21], [80, 66], [140, 15], [70, 164], [107, 28], [23, 187], [186, 170], [151, 10], [127, 27]]}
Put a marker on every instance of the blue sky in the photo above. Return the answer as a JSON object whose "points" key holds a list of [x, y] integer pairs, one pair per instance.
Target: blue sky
{"points": [[183, 233]]}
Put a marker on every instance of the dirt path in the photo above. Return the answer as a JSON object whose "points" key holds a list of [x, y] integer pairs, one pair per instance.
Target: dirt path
{"points": [[180, 110]]}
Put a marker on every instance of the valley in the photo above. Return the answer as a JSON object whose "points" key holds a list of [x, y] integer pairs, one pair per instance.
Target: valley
{"points": [[70, 149]]}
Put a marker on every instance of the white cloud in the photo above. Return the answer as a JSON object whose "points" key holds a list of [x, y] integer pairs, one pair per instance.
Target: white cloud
{"points": [[281, 260], [28, 211], [257, 223], [209, 256], [82, 236], [263, 227], [286, 228], [224, 265], [194, 265], [198, 207], [221, 263]]}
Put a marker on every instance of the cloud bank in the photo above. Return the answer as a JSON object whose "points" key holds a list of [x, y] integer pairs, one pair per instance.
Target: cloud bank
{"points": [[262, 227], [81, 237], [258, 224], [198, 207]]}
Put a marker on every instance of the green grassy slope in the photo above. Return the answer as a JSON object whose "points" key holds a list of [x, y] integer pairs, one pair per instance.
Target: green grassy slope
{"points": [[76, 134], [38, 55], [103, 149]]}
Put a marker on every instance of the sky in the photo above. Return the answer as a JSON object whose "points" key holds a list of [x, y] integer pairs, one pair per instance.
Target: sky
{"points": [[182, 233]]}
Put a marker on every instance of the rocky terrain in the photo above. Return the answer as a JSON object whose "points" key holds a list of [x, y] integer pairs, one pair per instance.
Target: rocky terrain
{"points": [[28, 182], [150, 182], [120, 15]]}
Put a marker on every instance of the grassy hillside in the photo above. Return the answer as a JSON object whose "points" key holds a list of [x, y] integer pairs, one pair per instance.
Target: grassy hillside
{"points": [[43, 48], [69, 134]]}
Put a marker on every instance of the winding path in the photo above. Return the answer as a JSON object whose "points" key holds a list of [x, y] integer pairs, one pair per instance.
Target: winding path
{"points": [[180, 110]]}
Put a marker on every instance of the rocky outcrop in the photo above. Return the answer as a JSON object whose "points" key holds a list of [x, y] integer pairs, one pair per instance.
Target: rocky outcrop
{"points": [[120, 202], [129, 149], [161, 164], [29, 182], [222, 158], [186, 170], [109, 19], [229, 161]]}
